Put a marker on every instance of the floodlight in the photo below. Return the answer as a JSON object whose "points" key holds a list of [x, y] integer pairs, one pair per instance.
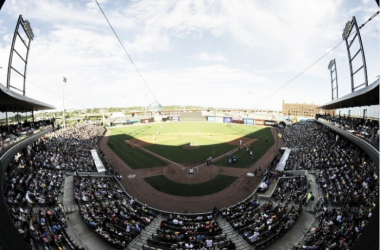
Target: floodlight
{"points": [[28, 29], [347, 30], [332, 62]]}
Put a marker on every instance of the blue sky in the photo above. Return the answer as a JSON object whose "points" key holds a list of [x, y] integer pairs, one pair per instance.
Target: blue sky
{"points": [[208, 53]]}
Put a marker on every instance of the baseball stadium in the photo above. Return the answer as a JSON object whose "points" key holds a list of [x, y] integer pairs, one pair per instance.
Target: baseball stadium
{"points": [[213, 176]]}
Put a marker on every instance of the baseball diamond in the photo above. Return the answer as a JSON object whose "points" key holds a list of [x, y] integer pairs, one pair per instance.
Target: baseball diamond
{"points": [[167, 151]]}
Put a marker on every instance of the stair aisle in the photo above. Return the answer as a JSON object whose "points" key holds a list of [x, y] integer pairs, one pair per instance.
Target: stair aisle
{"points": [[146, 234], [233, 235]]}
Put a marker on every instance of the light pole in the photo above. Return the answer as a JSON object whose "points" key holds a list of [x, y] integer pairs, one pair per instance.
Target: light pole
{"points": [[63, 101]]}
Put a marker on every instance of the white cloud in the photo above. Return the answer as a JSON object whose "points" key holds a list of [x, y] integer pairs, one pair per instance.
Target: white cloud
{"points": [[212, 53], [206, 57]]}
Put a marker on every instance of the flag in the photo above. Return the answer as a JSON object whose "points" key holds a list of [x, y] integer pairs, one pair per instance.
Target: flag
{"points": [[64, 79]]}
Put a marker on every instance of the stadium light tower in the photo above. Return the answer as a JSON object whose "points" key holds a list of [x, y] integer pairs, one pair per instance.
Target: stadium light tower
{"points": [[25, 40], [332, 68], [63, 101], [346, 34]]}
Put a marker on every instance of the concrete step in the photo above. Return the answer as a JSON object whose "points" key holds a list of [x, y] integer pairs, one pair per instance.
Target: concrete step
{"points": [[232, 235], [68, 209], [146, 234]]}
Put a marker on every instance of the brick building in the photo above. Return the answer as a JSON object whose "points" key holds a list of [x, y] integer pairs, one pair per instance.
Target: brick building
{"points": [[303, 110]]}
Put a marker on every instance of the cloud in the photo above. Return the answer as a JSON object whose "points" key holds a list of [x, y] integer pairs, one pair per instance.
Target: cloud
{"points": [[213, 53], [206, 57]]}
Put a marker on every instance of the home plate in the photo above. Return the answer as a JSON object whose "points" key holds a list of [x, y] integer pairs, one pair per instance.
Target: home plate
{"points": [[131, 176], [250, 174]]}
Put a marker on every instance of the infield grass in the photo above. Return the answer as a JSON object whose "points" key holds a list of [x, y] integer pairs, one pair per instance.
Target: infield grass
{"points": [[163, 184]]}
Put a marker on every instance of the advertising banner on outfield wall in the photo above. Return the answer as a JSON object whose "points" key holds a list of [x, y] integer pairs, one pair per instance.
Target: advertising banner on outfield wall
{"points": [[211, 118], [227, 119], [238, 120], [269, 123], [175, 118], [248, 121], [219, 119], [259, 122]]}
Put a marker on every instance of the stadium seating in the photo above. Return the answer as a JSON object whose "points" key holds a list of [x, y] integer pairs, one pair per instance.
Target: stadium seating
{"points": [[346, 177], [33, 184], [181, 231]]}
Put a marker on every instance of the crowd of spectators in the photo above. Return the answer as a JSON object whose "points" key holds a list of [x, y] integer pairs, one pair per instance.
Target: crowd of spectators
{"points": [[347, 177], [261, 223], [9, 134], [291, 188], [96, 189], [34, 183], [308, 144], [190, 232], [338, 228], [118, 220], [366, 128]]}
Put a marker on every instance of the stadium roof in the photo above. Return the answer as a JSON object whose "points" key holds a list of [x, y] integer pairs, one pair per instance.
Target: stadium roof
{"points": [[364, 97], [11, 101]]}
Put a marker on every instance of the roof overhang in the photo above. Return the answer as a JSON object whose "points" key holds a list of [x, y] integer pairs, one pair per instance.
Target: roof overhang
{"points": [[364, 97], [11, 101]]}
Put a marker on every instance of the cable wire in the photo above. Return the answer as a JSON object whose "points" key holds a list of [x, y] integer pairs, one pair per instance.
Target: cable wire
{"points": [[298, 74], [130, 58], [361, 26]]}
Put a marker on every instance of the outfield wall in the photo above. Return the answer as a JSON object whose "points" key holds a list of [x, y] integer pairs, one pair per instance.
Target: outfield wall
{"points": [[196, 116]]}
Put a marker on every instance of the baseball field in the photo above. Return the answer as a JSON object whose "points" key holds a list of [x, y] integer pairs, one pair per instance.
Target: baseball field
{"points": [[188, 145]]}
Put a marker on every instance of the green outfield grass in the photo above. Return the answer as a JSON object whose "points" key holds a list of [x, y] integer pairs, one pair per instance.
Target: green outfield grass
{"points": [[163, 184], [170, 139]]}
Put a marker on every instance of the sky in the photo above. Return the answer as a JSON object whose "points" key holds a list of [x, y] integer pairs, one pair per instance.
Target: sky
{"points": [[218, 53]]}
